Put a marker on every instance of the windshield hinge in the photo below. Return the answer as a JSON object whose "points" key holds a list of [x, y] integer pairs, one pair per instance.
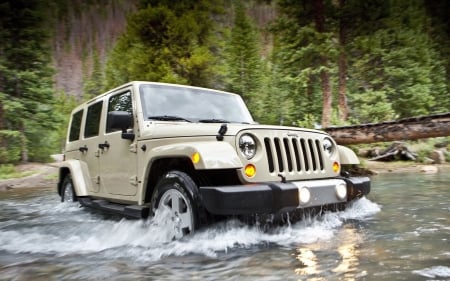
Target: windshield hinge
{"points": [[223, 129]]}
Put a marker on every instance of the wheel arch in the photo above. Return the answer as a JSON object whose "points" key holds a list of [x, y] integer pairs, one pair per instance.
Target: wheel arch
{"points": [[347, 156], [80, 176], [157, 168]]}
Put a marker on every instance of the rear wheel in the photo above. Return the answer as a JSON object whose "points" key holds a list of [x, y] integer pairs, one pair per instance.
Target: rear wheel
{"points": [[67, 191], [174, 194]]}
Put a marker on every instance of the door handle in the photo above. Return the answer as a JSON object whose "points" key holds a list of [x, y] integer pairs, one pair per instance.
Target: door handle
{"points": [[83, 149], [104, 145]]}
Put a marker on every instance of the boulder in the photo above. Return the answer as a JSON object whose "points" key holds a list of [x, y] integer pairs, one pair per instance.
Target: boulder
{"points": [[438, 156]]}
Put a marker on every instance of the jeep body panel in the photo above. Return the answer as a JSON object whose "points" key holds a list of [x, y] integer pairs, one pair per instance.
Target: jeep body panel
{"points": [[213, 155]]}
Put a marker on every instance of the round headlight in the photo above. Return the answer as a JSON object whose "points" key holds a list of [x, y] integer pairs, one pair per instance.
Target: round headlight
{"points": [[328, 146], [247, 145]]}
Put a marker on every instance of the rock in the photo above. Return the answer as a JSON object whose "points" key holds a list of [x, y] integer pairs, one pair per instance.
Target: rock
{"points": [[429, 169], [428, 161], [438, 156]]}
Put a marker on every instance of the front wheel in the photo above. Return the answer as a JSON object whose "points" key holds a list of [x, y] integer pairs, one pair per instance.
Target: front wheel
{"points": [[67, 191], [173, 195]]}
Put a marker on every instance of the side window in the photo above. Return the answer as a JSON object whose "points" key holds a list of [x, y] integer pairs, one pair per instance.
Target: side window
{"points": [[93, 120], [120, 102], [75, 126]]}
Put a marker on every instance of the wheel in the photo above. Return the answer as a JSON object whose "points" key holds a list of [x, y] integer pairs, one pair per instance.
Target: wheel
{"points": [[174, 193], [67, 191]]}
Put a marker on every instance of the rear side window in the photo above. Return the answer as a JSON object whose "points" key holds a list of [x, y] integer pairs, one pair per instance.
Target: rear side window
{"points": [[75, 126], [93, 120]]}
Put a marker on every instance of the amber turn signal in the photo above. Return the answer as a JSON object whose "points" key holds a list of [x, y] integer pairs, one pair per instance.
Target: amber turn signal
{"points": [[336, 167], [195, 157], [250, 170]]}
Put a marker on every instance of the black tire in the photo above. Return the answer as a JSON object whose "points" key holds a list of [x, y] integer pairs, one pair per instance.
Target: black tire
{"points": [[67, 190], [177, 192]]}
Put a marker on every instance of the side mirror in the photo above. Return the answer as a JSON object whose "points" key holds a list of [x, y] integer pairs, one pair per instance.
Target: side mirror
{"points": [[121, 120]]}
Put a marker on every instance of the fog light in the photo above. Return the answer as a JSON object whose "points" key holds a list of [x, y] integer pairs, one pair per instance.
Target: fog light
{"points": [[336, 167], [304, 195], [341, 191], [195, 157], [250, 170]]}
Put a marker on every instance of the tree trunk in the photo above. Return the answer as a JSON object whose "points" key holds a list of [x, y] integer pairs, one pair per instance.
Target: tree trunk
{"points": [[327, 98], [24, 147], [2, 118], [342, 65], [319, 18], [431, 126]]}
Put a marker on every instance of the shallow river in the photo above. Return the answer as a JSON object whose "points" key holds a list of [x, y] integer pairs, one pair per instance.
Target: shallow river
{"points": [[400, 232]]}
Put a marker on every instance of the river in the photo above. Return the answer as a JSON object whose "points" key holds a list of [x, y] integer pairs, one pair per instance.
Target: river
{"points": [[400, 232]]}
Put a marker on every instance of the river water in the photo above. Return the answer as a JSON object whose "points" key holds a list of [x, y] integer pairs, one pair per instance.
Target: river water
{"points": [[400, 232]]}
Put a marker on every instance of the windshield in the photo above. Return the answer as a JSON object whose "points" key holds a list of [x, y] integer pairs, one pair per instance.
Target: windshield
{"points": [[177, 103]]}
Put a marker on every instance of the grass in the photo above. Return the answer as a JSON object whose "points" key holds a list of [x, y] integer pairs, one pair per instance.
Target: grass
{"points": [[8, 171]]}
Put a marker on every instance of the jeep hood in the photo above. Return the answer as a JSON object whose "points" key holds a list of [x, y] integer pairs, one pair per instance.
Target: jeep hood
{"points": [[158, 129]]}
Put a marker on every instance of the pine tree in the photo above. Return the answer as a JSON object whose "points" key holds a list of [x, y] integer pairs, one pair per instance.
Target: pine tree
{"points": [[305, 53], [397, 60], [242, 56], [26, 95], [166, 41]]}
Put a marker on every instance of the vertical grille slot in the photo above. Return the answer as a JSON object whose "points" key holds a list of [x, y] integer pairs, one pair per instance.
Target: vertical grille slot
{"points": [[313, 155], [288, 154], [305, 155], [279, 155], [268, 145], [319, 154], [296, 154], [292, 154]]}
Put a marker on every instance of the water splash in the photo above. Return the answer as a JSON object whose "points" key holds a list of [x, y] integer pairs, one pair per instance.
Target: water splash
{"points": [[63, 229]]}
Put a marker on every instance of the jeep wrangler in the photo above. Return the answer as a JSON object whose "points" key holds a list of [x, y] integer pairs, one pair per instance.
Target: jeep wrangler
{"points": [[198, 154]]}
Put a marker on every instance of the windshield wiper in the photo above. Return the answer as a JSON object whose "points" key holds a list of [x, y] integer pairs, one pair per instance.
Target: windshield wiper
{"points": [[213, 121], [169, 118]]}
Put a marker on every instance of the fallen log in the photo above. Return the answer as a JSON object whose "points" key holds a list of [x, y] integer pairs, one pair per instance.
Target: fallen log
{"points": [[396, 151], [414, 128]]}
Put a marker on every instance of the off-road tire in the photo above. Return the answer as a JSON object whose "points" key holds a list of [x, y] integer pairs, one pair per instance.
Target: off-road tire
{"points": [[178, 186], [67, 190]]}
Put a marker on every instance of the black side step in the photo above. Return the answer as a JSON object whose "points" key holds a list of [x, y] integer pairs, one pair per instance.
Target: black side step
{"points": [[133, 211]]}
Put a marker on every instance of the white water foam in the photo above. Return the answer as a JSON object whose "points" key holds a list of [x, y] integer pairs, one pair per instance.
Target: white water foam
{"points": [[74, 231], [434, 272]]}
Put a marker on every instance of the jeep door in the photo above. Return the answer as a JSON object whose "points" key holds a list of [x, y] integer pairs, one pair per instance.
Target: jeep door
{"points": [[88, 150], [118, 160]]}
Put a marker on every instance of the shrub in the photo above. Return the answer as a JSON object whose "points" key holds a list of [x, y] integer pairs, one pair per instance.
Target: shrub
{"points": [[10, 143]]}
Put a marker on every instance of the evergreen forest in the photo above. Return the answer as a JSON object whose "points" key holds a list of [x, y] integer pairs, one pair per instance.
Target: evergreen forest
{"points": [[310, 63]]}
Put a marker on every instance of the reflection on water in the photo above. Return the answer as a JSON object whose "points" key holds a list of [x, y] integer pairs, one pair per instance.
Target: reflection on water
{"points": [[401, 232], [345, 251]]}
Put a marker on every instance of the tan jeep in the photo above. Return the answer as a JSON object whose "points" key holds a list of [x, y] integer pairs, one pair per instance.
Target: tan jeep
{"points": [[198, 153]]}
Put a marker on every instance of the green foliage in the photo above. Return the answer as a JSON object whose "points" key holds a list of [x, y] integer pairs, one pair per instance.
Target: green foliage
{"points": [[371, 106], [398, 63], [8, 171], [94, 84], [64, 104], [243, 60], [10, 146], [26, 98], [166, 41], [300, 52]]}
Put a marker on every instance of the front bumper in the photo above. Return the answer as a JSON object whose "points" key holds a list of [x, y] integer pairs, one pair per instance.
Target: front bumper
{"points": [[276, 197]]}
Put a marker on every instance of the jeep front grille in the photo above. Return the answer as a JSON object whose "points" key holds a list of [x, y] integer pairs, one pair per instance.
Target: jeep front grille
{"points": [[290, 154]]}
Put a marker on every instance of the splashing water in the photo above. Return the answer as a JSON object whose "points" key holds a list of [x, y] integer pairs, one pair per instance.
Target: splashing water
{"points": [[61, 229]]}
